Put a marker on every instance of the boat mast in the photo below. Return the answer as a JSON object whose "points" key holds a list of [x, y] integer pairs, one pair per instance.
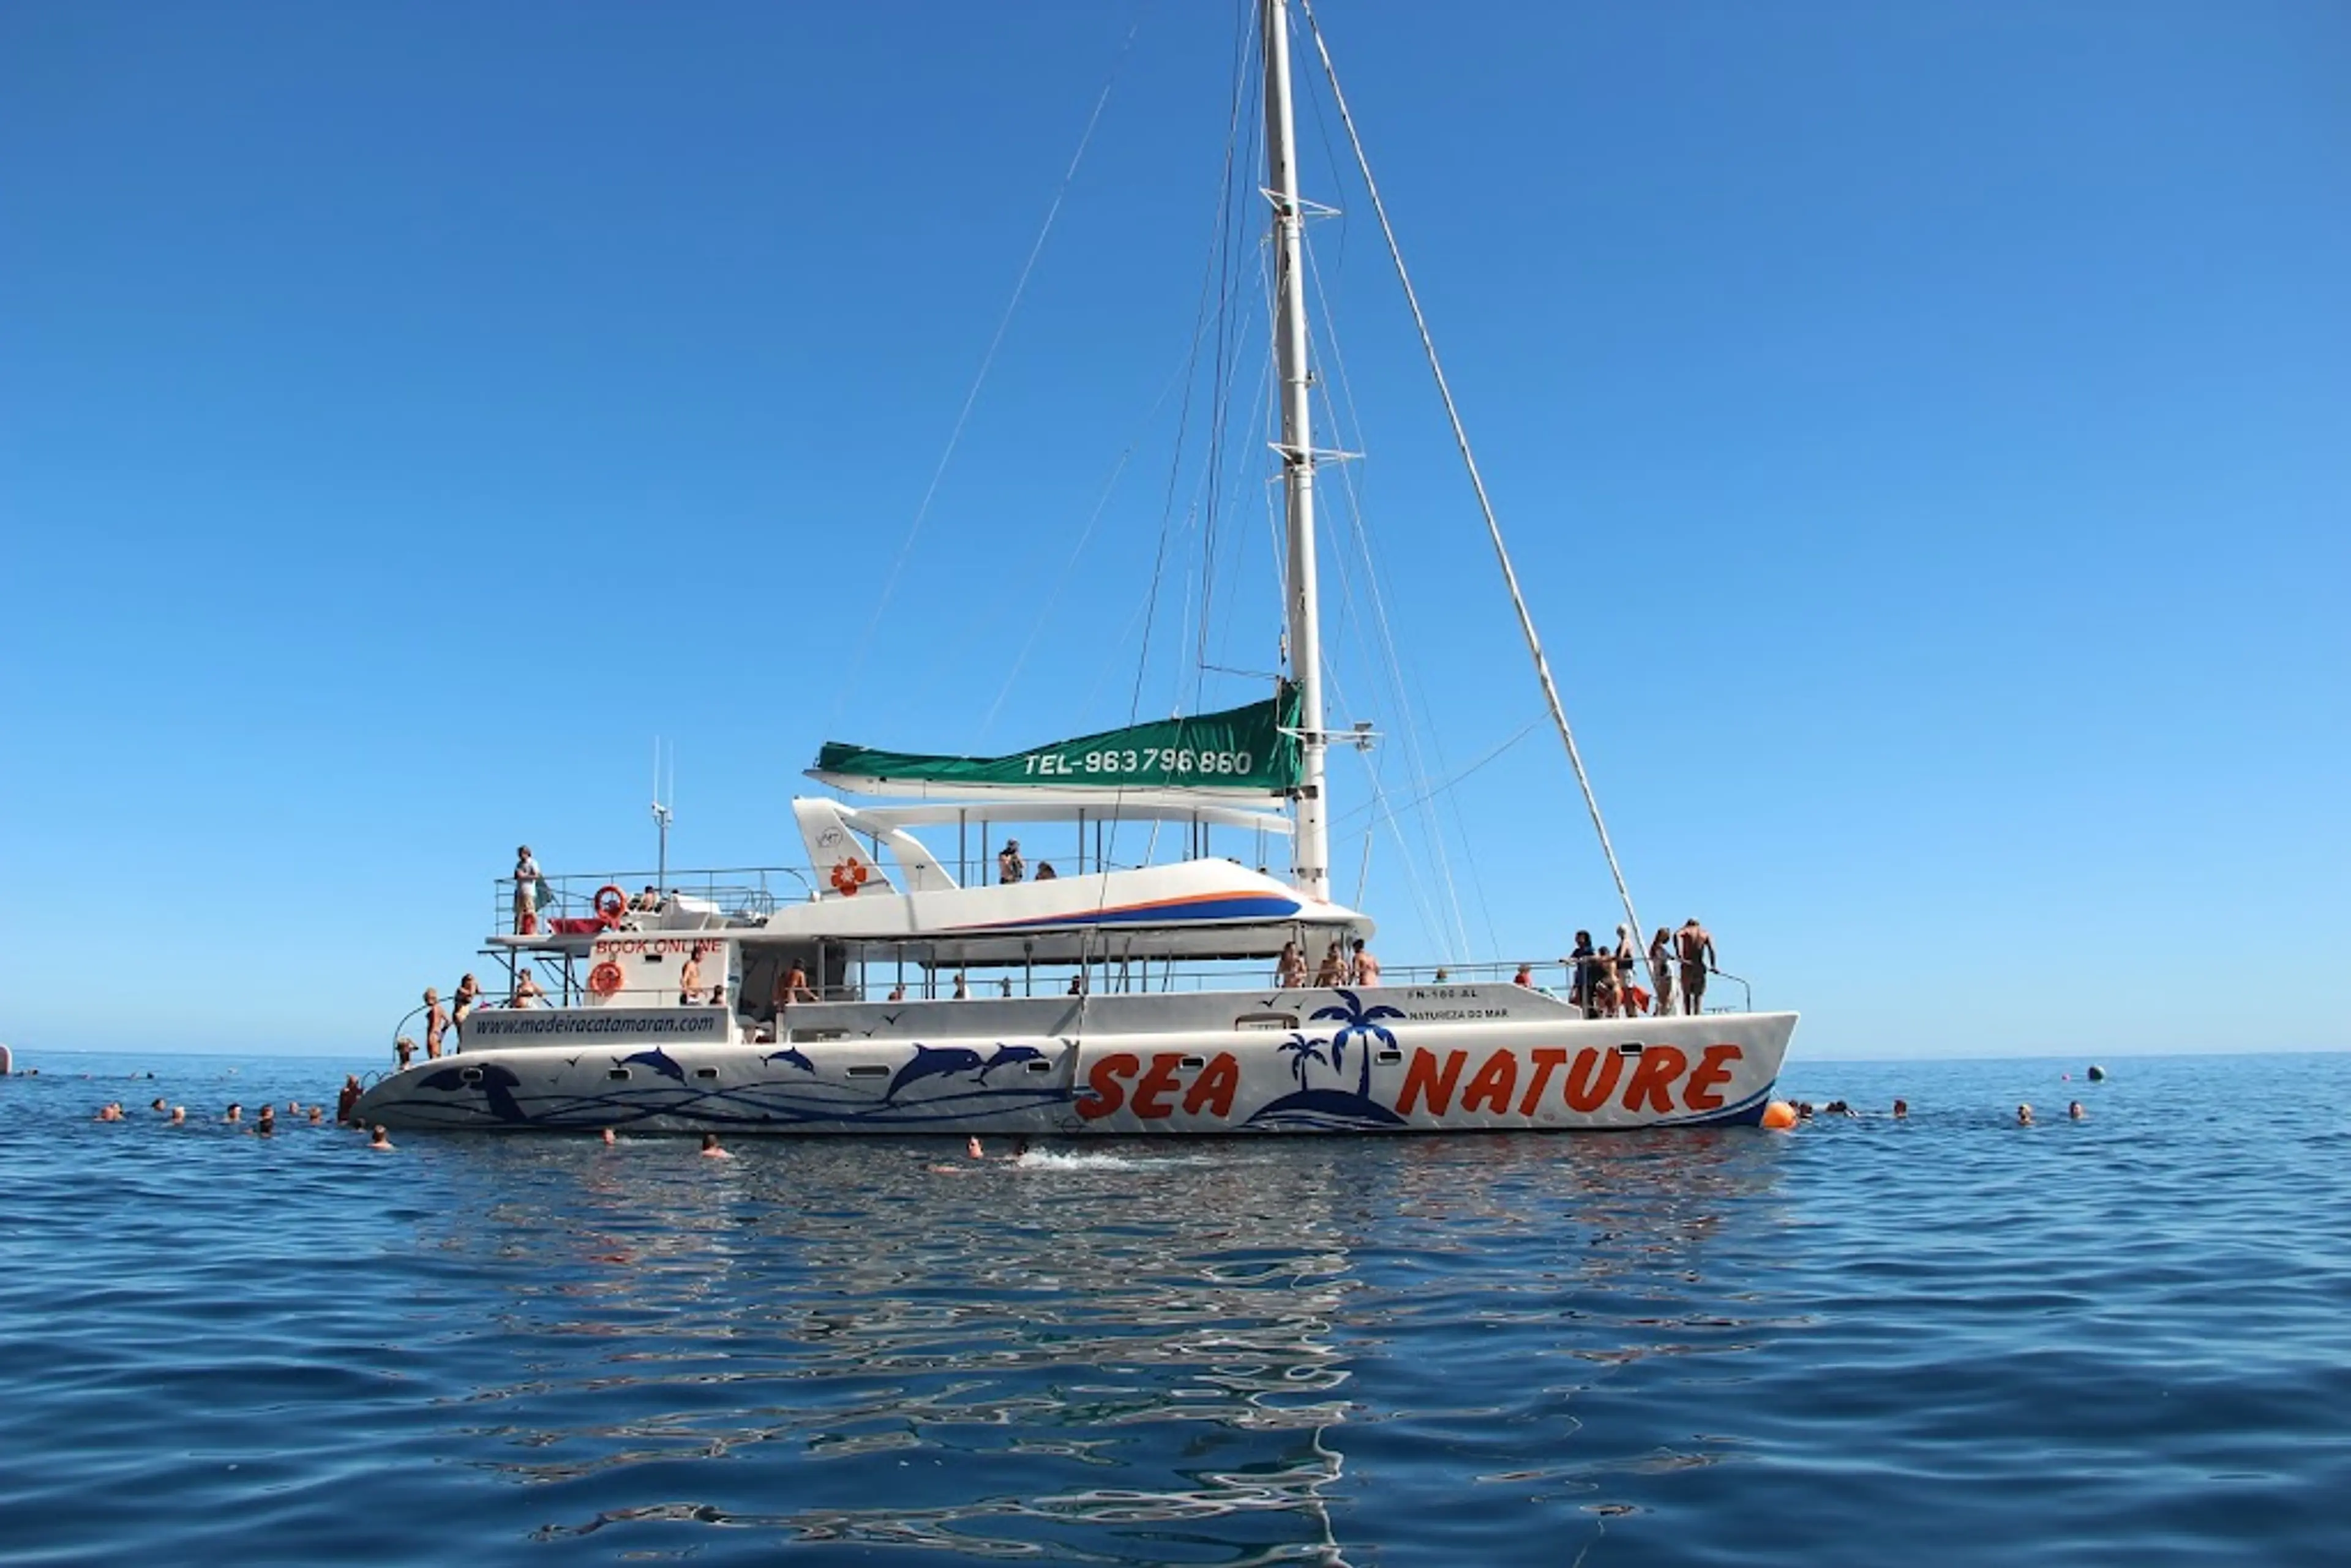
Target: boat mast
{"points": [[1311, 869]]}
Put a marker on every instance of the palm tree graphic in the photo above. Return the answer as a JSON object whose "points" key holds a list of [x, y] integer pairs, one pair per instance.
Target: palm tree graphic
{"points": [[1355, 1019], [1303, 1051]]}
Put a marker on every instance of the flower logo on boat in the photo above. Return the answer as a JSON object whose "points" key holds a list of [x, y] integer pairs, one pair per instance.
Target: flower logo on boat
{"points": [[849, 874]]}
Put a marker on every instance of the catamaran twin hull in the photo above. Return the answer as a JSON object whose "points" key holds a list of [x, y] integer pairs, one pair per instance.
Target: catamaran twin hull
{"points": [[1389, 1059]]}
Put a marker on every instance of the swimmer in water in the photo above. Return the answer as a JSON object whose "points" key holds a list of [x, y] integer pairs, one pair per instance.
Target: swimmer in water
{"points": [[2025, 1115], [710, 1149], [2073, 1109], [179, 1116], [379, 1139], [608, 1139], [1902, 1110]]}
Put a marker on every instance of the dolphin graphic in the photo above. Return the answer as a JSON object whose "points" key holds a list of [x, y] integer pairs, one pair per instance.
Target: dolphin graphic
{"points": [[790, 1055], [659, 1061], [497, 1086], [1006, 1055], [933, 1062]]}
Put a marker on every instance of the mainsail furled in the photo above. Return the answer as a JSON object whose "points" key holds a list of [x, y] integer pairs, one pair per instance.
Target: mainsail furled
{"points": [[1248, 750]]}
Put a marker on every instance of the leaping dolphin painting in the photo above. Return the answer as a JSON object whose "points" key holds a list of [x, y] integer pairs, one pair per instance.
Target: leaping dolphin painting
{"points": [[1006, 1056], [934, 1061], [790, 1056], [660, 1061]]}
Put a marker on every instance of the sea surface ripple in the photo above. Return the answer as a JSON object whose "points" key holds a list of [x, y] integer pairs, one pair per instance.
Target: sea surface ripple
{"points": [[2125, 1340]]}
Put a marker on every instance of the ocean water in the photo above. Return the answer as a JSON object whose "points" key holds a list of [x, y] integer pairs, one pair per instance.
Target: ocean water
{"points": [[2125, 1339]]}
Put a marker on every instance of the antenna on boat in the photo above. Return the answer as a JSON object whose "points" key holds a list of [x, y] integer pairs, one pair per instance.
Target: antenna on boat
{"points": [[662, 813], [1311, 869]]}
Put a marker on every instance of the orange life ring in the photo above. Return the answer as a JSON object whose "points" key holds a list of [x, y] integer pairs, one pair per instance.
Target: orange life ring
{"points": [[604, 978], [612, 910]]}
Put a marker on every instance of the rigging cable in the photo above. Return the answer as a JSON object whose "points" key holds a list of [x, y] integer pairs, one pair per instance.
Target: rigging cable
{"points": [[1004, 324], [1461, 440]]}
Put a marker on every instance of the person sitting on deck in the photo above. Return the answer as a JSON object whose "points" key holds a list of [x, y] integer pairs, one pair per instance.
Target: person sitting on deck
{"points": [[1009, 866], [1289, 970], [1525, 976], [647, 902], [1045, 871], [1334, 969], [1078, 984]]}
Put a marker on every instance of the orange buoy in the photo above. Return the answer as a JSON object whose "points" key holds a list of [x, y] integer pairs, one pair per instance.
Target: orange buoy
{"points": [[1779, 1116]]}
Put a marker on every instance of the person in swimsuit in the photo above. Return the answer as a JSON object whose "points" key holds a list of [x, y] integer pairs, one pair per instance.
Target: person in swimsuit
{"points": [[710, 1149], [1009, 866], [525, 897], [1333, 970], [436, 1024], [379, 1140], [347, 1097], [1364, 969], [468, 996], [796, 985], [527, 993], [1579, 989], [1661, 966], [689, 980], [1696, 946], [1290, 969], [403, 1051]]}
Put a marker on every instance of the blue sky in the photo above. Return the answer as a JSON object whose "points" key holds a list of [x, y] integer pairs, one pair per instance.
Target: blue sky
{"points": [[1925, 433]]}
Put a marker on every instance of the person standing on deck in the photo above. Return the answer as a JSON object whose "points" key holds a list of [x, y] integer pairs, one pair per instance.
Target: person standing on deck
{"points": [[1290, 972], [1009, 866], [1579, 989], [689, 979], [436, 1023], [1661, 965], [1364, 969], [468, 997], [526, 902], [1333, 971], [527, 993], [1696, 944]]}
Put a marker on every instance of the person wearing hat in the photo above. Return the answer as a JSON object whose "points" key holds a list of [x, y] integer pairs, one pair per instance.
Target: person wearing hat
{"points": [[1009, 866]]}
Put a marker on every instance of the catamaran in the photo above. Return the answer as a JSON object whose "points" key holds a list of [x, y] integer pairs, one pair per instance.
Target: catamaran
{"points": [[882, 987]]}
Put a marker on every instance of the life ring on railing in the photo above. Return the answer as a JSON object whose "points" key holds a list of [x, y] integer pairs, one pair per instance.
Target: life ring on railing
{"points": [[611, 906], [604, 978], [849, 874]]}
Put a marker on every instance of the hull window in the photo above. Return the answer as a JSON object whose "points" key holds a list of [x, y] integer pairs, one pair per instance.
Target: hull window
{"points": [[617, 1075]]}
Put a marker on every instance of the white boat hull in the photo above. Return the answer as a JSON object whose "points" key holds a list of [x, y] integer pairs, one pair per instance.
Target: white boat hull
{"points": [[1399, 1059]]}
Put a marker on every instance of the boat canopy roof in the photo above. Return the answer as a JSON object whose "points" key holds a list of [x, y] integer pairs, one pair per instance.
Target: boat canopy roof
{"points": [[1248, 751]]}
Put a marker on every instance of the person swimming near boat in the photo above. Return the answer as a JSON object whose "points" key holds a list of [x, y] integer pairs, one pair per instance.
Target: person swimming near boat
{"points": [[710, 1149], [379, 1139], [179, 1117], [2074, 1111], [1009, 867], [109, 1112], [2025, 1115], [235, 1111], [608, 1140], [436, 1024], [348, 1096], [267, 1123], [315, 1116], [1902, 1110], [1290, 969], [1696, 945], [526, 893]]}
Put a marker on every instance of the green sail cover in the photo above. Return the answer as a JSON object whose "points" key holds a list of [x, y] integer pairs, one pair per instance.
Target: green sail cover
{"points": [[1241, 748]]}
